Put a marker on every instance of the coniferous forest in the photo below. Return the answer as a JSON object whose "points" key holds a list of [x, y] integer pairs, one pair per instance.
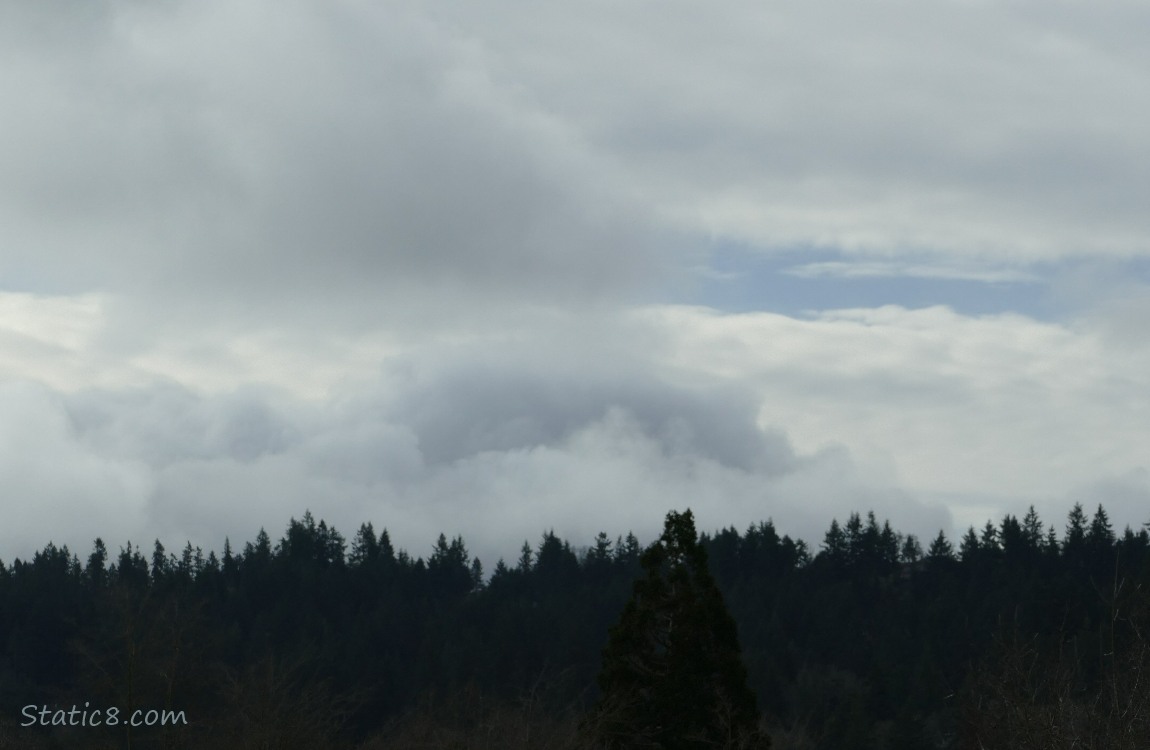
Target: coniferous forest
{"points": [[1021, 634]]}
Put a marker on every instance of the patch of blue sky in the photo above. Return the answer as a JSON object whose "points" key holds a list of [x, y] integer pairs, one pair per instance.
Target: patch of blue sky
{"points": [[740, 279]]}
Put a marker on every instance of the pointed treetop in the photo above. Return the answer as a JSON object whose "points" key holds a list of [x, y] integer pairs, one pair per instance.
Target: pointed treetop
{"points": [[672, 668]]}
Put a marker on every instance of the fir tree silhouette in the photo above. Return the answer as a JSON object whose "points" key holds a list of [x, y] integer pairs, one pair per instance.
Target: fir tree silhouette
{"points": [[672, 674]]}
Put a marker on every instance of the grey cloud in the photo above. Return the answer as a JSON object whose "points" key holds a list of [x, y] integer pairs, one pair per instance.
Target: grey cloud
{"points": [[331, 161], [962, 129], [465, 411], [340, 164], [330, 170], [166, 423], [54, 488], [494, 443], [1126, 498]]}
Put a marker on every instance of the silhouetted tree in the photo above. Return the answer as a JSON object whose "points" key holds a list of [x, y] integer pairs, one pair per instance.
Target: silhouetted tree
{"points": [[365, 546], [989, 542], [911, 551], [836, 547], [855, 539], [1032, 529], [1013, 538], [1100, 539], [940, 548], [526, 558], [97, 570], [1074, 542], [969, 547], [888, 546], [672, 673]]}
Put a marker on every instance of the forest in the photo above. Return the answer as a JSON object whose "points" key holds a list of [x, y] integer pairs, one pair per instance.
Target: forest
{"points": [[1020, 634]]}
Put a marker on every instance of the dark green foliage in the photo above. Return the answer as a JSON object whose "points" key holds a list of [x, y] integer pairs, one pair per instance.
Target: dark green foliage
{"points": [[449, 570], [1100, 539], [1012, 538], [1074, 542], [1032, 529], [672, 673], [835, 545], [940, 548], [97, 572], [911, 551], [131, 568], [865, 646], [969, 548], [988, 542]]}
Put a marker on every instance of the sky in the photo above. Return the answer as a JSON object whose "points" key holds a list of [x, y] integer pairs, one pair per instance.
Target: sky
{"points": [[497, 268]]}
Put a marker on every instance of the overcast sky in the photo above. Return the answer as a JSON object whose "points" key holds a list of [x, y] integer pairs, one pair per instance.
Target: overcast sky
{"points": [[496, 267]]}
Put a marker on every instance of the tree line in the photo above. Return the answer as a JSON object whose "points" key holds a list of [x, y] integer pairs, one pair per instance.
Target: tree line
{"points": [[869, 641]]}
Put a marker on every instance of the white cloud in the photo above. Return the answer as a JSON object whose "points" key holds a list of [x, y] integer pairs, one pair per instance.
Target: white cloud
{"points": [[55, 489], [889, 269], [932, 418], [984, 408], [382, 261]]}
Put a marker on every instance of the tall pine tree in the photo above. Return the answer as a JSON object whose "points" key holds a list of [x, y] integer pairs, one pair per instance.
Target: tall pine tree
{"points": [[672, 673]]}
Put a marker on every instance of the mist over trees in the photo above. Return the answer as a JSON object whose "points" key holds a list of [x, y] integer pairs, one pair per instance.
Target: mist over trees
{"points": [[1018, 634]]}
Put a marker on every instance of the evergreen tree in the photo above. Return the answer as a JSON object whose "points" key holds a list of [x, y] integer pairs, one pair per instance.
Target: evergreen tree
{"points": [[386, 550], [260, 553], [1012, 535], [331, 544], [1074, 543], [1032, 529], [1100, 541], [132, 568], [889, 545], [855, 542], [794, 554], [186, 566], [1100, 535], [599, 556], [940, 548], [989, 540], [628, 549], [230, 565], [526, 558], [969, 548], [555, 562], [160, 567], [365, 546], [1134, 546], [97, 572], [835, 545], [911, 551], [476, 574], [672, 673], [449, 567]]}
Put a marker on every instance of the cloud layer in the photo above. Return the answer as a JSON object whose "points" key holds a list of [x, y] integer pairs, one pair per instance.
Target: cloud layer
{"points": [[932, 418], [420, 265]]}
